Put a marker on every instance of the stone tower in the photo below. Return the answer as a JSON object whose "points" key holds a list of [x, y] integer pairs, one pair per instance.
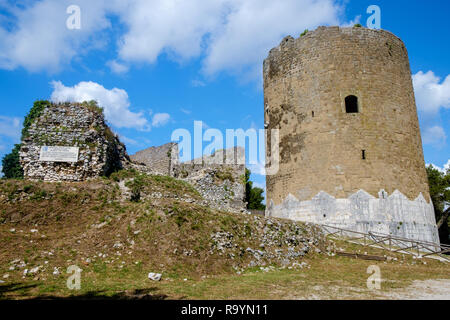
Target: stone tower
{"points": [[350, 147]]}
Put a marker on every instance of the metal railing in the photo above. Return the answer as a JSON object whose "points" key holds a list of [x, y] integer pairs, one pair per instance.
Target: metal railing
{"points": [[390, 243]]}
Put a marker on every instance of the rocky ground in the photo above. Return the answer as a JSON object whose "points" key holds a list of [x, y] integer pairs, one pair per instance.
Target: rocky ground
{"points": [[156, 223], [423, 290], [142, 236]]}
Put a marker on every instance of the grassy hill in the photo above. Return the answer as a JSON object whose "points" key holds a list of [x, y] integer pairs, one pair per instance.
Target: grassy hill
{"points": [[119, 229]]}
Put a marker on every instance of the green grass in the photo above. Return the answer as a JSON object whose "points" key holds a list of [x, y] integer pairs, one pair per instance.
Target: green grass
{"points": [[327, 278]]}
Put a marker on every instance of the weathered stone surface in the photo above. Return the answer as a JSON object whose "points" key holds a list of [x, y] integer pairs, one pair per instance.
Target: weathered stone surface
{"points": [[274, 241], [154, 276], [391, 214], [74, 125], [219, 178], [306, 81], [161, 160]]}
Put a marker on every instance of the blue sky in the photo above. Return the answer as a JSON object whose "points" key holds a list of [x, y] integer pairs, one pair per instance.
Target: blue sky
{"points": [[156, 66]]}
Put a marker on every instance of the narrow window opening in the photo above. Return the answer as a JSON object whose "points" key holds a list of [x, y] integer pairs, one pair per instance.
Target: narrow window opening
{"points": [[351, 104], [363, 154], [313, 114]]}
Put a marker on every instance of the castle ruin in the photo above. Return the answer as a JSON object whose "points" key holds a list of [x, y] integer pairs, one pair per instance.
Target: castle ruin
{"points": [[72, 142], [218, 177], [350, 147]]}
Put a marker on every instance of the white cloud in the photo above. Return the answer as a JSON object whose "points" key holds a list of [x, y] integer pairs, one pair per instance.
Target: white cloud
{"points": [[258, 169], [185, 111], [356, 20], [434, 136], [115, 102], [39, 39], [117, 67], [160, 119], [259, 185], [443, 169], [172, 26], [253, 27], [127, 140], [10, 127], [431, 94], [230, 35], [197, 83]]}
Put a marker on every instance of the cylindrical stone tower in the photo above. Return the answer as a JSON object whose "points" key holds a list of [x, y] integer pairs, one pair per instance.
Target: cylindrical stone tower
{"points": [[350, 149]]}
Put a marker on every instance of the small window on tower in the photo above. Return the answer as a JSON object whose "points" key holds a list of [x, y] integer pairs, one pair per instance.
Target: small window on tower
{"points": [[351, 104]]}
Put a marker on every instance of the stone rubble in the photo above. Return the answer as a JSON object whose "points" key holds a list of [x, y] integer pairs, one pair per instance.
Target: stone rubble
{"points": [[71, 125]]}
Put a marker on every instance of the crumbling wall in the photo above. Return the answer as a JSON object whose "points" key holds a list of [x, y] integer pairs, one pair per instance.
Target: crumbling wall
{"points": [[71, 125], [364, 213], [160, 160], [219, 178]]}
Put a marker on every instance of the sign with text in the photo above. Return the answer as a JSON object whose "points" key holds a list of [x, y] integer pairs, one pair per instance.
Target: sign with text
{"points": [[59, 154]]}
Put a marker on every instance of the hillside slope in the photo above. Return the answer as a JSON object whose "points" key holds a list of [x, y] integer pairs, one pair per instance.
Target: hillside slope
{"points": [[133, 224]]}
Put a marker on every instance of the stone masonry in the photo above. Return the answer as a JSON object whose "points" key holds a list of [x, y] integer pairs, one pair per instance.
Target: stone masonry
{"points": [[160, 160], [361, 169], [220, 178], [72, 125]]}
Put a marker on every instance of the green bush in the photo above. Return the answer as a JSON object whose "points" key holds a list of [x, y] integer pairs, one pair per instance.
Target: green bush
{"points": [[11, 165], [253, 195], [136, 185], [439, 183], [10, 162], [35, 112]]}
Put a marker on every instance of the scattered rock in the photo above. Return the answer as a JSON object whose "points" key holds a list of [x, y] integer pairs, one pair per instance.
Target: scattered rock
{"points": [[154, 276], [56, 271]]}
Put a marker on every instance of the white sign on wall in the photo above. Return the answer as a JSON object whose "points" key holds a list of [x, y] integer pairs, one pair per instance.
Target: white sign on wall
{"points": [[59, 154]]}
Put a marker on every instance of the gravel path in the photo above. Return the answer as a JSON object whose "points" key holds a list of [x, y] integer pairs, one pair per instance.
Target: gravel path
{"points": [[423, 290]]}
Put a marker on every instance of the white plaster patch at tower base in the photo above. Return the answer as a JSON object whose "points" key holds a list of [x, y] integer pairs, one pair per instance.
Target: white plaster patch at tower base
{"points": [[391, 214]]}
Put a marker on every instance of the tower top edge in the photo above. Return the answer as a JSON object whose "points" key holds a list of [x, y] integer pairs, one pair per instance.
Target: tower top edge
{"points": [[324, 31]]}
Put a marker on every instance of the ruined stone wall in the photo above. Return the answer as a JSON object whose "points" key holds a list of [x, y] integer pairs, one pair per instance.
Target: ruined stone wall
{"points": [[220, 178], [71, 125], [306, 81], [161, 160], [392, 214]]}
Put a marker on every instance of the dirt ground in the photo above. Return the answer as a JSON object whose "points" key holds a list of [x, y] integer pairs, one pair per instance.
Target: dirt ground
{"points": [[423, 290]]}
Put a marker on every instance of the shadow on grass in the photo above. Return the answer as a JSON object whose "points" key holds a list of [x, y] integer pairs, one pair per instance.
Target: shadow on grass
{"points": [[137, 294], [13, 287]]}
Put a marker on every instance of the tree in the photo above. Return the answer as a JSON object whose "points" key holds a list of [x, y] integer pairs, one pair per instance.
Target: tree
{"points": [[11, 166], [253, 195], [10, 162], [440, 196]]}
